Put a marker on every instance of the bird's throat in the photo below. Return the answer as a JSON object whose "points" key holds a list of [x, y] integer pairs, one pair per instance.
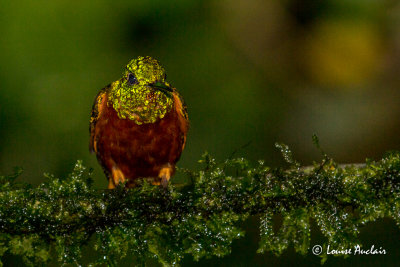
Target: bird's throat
{"points": [[142, 104]]}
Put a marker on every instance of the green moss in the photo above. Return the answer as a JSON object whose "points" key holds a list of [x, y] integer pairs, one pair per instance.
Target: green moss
{"points": [[200, 219]]}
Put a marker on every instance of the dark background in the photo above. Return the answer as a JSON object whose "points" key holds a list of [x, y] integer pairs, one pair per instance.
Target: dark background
{"points": [[250, 71]]}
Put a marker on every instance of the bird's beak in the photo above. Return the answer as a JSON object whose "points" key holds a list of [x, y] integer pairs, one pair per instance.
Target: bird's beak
{"points": [[161, 86]]}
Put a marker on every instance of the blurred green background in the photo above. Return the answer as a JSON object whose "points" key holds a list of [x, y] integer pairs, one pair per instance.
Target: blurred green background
{"points": [[250, 71]]}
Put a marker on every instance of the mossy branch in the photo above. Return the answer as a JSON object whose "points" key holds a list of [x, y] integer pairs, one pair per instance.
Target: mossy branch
{"points": [[200, 219]]}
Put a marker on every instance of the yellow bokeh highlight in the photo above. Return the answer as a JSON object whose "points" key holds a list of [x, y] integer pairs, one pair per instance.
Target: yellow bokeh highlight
{"points": [[343, 53]]}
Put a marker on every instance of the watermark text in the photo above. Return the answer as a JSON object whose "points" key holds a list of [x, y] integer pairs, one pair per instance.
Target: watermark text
{"points": [[356, 250]]}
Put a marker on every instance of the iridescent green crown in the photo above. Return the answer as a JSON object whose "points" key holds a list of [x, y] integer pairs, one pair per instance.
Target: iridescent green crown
{"points": [[142, 94]]}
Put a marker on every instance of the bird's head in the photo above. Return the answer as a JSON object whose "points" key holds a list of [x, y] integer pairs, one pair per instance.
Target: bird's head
{"points": [[142, 94]]}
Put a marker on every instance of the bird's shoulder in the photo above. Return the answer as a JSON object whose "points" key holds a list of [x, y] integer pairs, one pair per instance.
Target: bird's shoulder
{"points": [[183, 118], [100, 103], [180, 105]]}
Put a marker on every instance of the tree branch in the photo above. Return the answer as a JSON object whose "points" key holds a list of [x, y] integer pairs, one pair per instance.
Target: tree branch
{"points": [[200, 219]]}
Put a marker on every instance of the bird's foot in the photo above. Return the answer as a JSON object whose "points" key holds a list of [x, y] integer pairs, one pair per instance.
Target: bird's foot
{"points": [[164, 182], [117, 177], [165, 175]]}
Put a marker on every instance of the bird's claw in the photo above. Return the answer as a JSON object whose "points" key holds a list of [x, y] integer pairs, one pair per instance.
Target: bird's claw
{"points": [[164, 182]]}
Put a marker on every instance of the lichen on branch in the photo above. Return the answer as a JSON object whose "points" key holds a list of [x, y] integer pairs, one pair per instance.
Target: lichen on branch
{"points": [[200, 219]]}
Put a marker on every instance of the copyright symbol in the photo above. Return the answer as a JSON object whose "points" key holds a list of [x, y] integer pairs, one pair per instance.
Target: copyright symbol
{"points": [[317, 250]]}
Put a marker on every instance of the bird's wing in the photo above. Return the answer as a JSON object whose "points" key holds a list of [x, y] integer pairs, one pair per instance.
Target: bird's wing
{"points": [[96, 112], [180, 105], [181, 109]]}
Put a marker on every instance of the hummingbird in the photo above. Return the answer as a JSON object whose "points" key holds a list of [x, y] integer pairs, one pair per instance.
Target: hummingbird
{"points": [[138, 125]]}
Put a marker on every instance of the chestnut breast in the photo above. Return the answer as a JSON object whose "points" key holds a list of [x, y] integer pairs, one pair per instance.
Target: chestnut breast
{"points": [[139, 150]]}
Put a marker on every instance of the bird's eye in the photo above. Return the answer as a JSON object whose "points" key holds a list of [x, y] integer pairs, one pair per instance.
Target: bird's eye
{"points": [[132, 79]]}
